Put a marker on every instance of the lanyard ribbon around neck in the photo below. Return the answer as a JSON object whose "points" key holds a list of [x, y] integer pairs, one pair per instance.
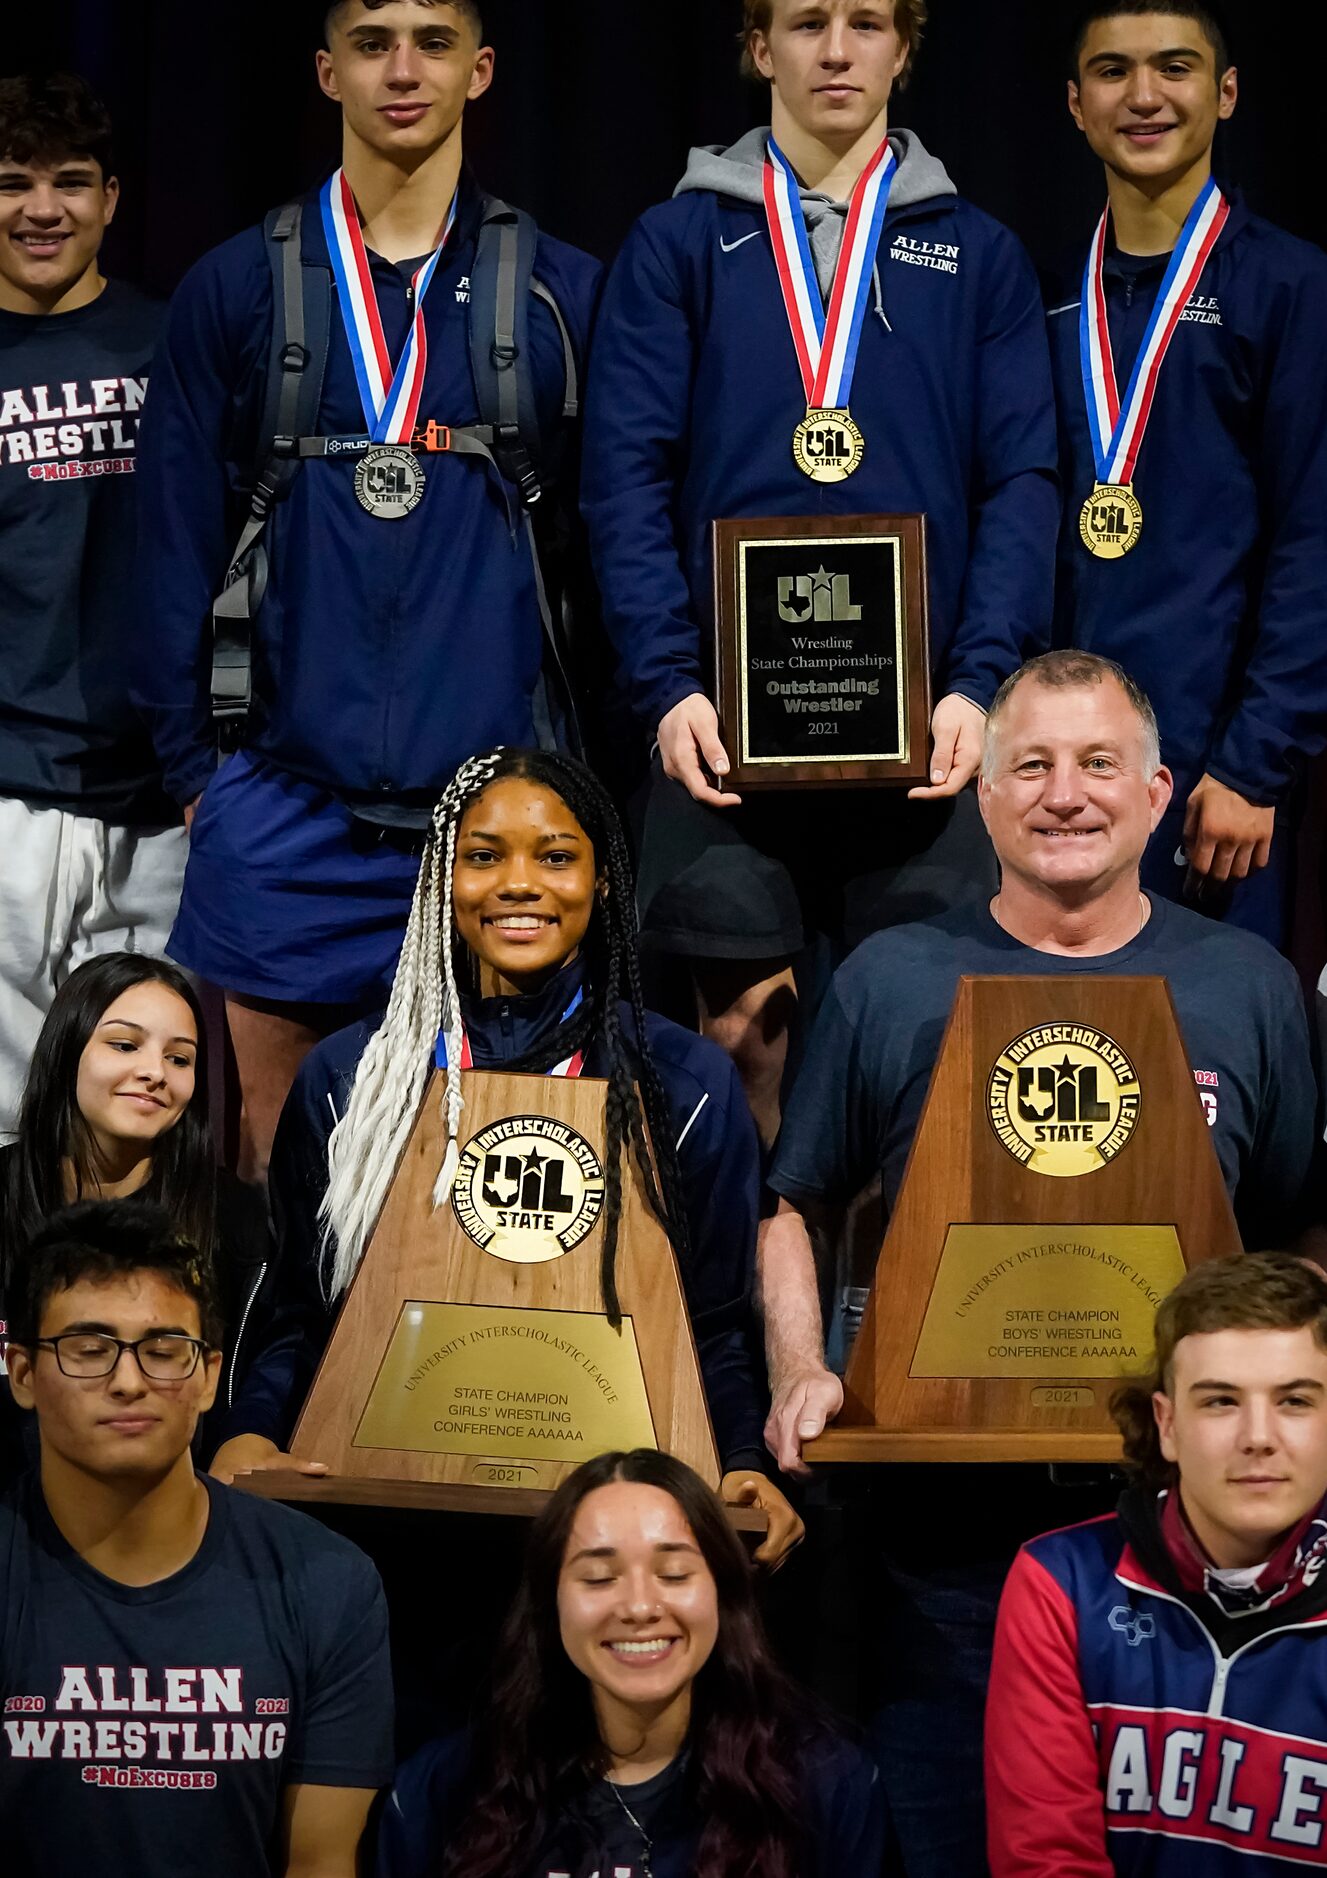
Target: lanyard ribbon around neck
{"points": [[572, 1066], [827, 339], [1118, 428], [390, 396]]}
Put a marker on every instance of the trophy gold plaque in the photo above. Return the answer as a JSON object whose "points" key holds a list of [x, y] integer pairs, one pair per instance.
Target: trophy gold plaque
{"points": [[1061, 1181], [821, 653], [472, 1365]]}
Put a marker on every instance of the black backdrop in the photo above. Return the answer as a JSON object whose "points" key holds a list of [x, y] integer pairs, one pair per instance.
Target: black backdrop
{"points": [[597, 101]]}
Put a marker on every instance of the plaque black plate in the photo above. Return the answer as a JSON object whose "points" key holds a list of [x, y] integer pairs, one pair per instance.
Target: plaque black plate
{"points": [[822, 666]]}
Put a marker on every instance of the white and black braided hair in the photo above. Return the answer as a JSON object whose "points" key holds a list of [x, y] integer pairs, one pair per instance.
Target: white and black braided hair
{"points": [[367, 1143]]}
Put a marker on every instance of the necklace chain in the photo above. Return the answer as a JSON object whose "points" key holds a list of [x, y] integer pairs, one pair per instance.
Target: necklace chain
{"points": [[646, 1866]]}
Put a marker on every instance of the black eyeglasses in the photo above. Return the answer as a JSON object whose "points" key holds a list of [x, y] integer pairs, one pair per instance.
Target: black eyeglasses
{"points": [[166, 1357]]}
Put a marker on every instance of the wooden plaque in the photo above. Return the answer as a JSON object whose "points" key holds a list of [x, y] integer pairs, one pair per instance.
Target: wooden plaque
{"points": [[471, 1359], [1061, 1181], [822, 659]]}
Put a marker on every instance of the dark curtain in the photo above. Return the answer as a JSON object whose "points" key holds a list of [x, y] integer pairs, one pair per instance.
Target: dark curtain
{"points": [[597, 101]]}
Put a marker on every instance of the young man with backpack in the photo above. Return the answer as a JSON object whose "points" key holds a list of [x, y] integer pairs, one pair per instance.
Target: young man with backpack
{"points": [[358, 408]]}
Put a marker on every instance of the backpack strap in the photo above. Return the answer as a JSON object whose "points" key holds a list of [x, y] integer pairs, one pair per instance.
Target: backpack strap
{"points": [[508, 434], [501, 284], [297, 366]]}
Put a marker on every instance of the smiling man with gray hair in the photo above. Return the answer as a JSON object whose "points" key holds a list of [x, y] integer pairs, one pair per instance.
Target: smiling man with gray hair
{"points": [[1071, 789]]}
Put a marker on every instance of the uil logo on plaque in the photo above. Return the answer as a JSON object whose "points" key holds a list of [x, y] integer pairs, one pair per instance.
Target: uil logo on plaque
{"points": [[528, 1189], [1063, 1099]]}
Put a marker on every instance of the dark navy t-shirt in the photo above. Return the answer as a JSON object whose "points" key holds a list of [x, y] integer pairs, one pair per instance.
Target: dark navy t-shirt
{"points": [[72, 386], [842, 1818], [858, 1098], [149, 1731]]}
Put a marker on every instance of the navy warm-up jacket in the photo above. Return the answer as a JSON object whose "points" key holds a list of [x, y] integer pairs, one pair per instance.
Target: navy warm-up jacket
{"points": [[1220, 612], [694, 394], [717, 1152], [386, 652]]}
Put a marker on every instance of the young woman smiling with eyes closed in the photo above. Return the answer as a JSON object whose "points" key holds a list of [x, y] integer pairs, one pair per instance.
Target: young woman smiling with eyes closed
{"points": [[635, 1721]]}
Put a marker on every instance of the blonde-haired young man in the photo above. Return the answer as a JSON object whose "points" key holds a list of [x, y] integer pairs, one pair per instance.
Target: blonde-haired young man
{"points": [[699, 381]]}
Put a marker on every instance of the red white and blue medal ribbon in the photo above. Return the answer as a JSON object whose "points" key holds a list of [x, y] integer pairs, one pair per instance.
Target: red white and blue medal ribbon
{"points": [[827, 339], [390, 396], [572, 1066], [1118, 428]]}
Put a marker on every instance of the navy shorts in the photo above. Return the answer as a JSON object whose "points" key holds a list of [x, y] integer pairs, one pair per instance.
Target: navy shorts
{"points": [[787, 869], [288, 896]]}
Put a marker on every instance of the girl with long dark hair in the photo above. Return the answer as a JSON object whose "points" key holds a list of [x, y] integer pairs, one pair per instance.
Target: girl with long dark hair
{"points": [[521, 955], [636, 1722], [116, 1103]]}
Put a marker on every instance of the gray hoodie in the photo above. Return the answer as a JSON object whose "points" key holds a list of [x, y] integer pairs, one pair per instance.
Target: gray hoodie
{"points": [[739, 172]]}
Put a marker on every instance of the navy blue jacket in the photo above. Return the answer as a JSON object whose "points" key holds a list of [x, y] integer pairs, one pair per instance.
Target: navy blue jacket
{"points": [[694, 394], [717, 1152], [842, 1819], [1220, 612], [385, 652]]}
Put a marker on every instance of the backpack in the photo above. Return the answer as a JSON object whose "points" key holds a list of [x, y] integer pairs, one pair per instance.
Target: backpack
{"points": [[508, 435]]}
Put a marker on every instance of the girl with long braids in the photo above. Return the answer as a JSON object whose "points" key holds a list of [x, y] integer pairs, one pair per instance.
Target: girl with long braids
{"points": [[634, 1721], [521, 955]]}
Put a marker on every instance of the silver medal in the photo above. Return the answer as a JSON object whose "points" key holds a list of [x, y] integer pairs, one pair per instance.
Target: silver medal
{"points": [[389, 482]]}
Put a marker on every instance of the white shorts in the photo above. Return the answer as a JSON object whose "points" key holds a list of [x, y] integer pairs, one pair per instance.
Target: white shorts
{"points": [[71, 888]]}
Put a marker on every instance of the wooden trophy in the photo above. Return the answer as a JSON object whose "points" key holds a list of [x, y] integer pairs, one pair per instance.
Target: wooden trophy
{"points": [[472, 1366], [1061, 1181]]}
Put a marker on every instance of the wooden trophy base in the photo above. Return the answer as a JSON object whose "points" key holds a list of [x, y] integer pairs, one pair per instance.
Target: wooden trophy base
{"points": [[429, 1496], [1061, 1181], [943, 1444]]}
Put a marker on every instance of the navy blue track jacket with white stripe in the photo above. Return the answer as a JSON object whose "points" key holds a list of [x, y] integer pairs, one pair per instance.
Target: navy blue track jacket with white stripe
{"points": [[385, 652], [694, 394], [718, 1155], [1220, 612]]}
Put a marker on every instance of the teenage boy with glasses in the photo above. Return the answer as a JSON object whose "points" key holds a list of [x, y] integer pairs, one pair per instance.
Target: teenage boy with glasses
{"points": [[190, 1679]]}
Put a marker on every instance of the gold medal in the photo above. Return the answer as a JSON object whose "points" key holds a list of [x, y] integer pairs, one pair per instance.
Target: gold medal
{"points": [[827, 446], [1111, 523]]}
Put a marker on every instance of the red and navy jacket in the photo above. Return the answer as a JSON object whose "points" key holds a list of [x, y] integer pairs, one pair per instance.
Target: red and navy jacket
{"points": [[1134, 1727], [1220, 612]]}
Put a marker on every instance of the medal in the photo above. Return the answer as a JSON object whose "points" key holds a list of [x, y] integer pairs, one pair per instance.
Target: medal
{"points": [[827, 445], [389, 482], [1111, 521]]}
